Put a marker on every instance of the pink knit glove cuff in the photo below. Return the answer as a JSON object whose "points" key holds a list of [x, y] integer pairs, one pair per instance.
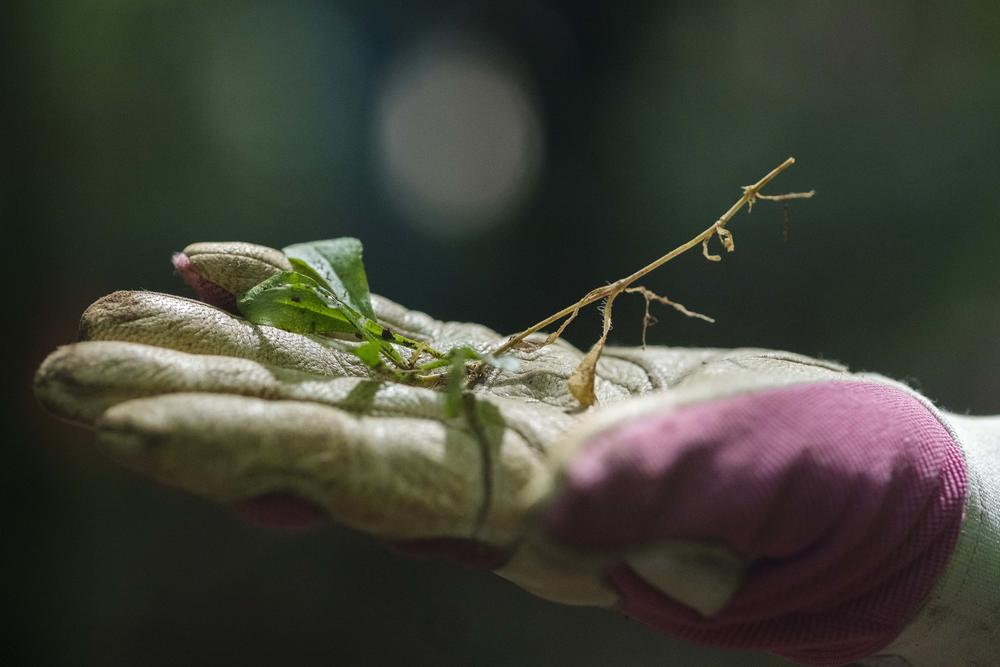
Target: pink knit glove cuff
{"points": [[846, 496]]}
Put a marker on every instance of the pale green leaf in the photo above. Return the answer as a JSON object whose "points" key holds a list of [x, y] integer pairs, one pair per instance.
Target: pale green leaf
{"points": [[337, 265], [370, 353], [295, 302]]}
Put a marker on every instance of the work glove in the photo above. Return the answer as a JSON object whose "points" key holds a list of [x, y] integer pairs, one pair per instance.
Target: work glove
{"points": [[740, 498]]}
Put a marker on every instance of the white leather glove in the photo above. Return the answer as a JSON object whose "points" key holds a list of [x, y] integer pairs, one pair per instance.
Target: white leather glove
{"points": [[738, 498]]}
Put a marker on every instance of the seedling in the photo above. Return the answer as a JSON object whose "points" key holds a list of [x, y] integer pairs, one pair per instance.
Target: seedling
{"points": [[326, 294]]}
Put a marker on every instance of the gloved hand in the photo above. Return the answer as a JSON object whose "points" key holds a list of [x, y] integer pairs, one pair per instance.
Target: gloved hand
{"points": [[737, 498]]}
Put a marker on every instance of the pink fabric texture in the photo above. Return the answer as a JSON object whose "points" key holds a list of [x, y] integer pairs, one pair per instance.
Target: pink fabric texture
{"points": [[847, 496]]}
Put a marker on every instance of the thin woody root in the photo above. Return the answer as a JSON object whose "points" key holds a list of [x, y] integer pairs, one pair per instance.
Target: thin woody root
{"points": [[420, 348], [785, 197], [554, 336], [581, 382], [707, 255], [648, 320]]}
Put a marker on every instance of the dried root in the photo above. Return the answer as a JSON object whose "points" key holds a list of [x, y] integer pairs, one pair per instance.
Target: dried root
{"points": [[648, 320], [581, 382], [554, 336]]}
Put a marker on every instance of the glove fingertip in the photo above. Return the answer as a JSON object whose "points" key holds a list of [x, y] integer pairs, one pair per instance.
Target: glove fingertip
{"points": [[206, 290]]}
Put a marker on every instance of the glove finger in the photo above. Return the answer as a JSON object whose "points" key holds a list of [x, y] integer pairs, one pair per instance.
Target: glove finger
{"points": [[397, 477], [81, 381], [234, 266], [186, 325], [218, 271]]}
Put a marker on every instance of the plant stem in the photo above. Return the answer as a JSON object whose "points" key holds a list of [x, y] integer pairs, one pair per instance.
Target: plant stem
{"points": [[750, 194]]}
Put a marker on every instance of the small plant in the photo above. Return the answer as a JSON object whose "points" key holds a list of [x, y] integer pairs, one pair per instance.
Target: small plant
{"points": [[326, 293]]}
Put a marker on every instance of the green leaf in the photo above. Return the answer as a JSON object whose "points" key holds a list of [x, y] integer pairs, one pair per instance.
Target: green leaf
{"points": [[295, 302], [336, 265], [326, 293], [370, 353], [387, 335], [298, 303]]}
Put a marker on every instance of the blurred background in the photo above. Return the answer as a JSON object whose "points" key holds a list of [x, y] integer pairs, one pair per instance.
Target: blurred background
{"points": [[498, 160]]}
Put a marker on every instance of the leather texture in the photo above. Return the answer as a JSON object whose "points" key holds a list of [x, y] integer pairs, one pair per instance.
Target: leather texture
{"points": [[199, 399]]}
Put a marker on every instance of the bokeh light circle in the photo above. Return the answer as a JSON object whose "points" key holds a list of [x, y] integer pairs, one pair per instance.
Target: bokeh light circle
{"points": [[459, 137]]}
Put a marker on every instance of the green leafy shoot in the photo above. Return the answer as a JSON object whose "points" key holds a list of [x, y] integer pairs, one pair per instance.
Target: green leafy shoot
{"points": [[336, 264], [387, 335], [296, 302], [370, 353], [326, 294]]}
